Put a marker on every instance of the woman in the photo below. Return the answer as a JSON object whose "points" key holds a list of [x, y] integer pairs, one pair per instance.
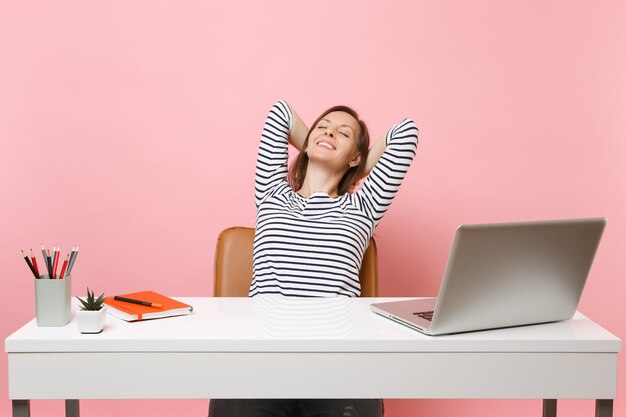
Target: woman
{"points": [[312, 229]]}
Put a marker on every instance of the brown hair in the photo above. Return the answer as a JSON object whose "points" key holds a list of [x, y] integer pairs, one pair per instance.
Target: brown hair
{"points": [[298, 168]]}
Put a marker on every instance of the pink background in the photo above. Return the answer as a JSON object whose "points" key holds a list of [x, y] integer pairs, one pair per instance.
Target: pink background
{"points": [[131, 128]]}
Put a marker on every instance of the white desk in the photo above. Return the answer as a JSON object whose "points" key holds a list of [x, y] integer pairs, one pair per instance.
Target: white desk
{"points": [[319, 348]]}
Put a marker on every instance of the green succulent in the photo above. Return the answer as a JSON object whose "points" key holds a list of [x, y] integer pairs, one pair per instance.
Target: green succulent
{"points": [[92, 303]]}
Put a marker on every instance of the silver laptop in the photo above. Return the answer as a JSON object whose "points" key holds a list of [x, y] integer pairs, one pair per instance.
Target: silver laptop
{"points": [[507, 274]]}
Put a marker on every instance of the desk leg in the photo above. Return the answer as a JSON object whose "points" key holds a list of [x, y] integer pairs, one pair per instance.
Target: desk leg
{"points": [[549, 408], [71, 408], [604, 408], [21, 408]]}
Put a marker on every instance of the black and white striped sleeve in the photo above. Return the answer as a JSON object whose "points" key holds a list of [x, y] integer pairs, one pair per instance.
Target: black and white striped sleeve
{"points": [[271, 166], [385, 179]]}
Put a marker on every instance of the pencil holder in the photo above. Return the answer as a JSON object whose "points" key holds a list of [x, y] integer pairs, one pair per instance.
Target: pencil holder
{"points": [[53, 299]]}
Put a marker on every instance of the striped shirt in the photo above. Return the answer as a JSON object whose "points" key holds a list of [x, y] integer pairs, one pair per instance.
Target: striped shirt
{"points": [[313, 247]]}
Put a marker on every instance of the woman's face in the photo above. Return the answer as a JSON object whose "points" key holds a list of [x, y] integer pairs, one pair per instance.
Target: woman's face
{"points": [[334, 140]]}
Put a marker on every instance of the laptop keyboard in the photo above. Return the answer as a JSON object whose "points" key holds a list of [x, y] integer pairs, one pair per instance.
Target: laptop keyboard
{"points": [[427, 315]]}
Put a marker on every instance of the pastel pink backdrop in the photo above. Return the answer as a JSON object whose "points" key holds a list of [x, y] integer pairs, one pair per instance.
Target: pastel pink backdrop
{"points": [[131, 128]]}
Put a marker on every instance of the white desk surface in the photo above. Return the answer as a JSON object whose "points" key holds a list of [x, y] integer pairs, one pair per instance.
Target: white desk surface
{"points": [[321, 348], [278, 324]]}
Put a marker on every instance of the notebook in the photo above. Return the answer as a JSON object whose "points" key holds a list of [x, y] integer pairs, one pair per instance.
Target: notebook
{"points": [[134, 312], [506, 274]]}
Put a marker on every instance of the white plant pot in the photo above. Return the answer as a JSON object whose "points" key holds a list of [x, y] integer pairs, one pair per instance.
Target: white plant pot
{"points": [[91, 321]]}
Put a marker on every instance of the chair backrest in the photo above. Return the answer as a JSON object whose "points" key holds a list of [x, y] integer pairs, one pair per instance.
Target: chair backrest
{"points": [[233, 265]]}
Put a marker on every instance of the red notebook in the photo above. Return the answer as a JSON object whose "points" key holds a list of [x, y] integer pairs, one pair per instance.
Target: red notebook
{"points": [[134, 312]]}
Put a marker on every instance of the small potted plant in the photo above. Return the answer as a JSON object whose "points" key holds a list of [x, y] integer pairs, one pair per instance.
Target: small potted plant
{"points": [[90, 317]]}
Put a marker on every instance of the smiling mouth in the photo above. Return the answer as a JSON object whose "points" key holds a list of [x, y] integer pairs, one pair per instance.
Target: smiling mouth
{"points": [[326, 145]]}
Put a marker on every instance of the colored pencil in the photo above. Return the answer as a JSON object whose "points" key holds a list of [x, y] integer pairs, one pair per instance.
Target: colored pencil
{"points": [[64, 267], [34, 261], [73, 256], [30, 265], [55, 256], [49, 261], [45, 259]]}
